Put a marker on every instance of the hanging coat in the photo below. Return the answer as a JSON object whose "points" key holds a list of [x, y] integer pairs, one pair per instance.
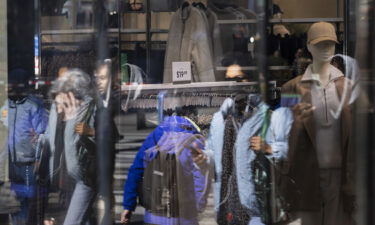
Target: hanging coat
{"points": [[188, 40]]}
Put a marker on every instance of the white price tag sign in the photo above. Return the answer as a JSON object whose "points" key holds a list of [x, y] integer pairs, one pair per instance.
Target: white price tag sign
{"points": [[181, 71]]}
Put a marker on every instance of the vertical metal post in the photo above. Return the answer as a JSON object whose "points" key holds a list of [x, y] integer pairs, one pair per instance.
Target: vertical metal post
{"points": [[364, 119], [346, 26], [160, 108], [3, 83], [148, 37], [104, 135], [370, 123], [37, 41], [74, 13], [262, 10], [119, 22], [101, 28]]}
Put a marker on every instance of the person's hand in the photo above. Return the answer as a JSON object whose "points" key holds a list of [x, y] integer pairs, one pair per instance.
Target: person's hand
{"points": [[34, 137], [70, 105], [196, 145], [59, 103], [125, 216], [302, 111], [197, 154], [84, 130], [50, 221], [258, 144]]}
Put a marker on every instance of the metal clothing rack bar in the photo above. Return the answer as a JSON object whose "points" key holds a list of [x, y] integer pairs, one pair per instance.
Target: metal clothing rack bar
{"points": [[110, 31], [254, 68], [292, 20], [143, 41], [141, 31], [169, 96], [193, 87]]}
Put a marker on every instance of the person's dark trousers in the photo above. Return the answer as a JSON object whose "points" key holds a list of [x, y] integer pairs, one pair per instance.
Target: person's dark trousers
{"points": [[31, 196], [23, 183], [4, 219]]}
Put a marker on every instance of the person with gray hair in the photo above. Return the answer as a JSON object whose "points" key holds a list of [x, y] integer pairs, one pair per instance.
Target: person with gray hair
{"points": [[73, 103]]}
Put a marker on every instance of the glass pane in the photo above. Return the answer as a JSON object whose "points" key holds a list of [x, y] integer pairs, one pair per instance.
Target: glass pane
{"points": [[186, 112]]}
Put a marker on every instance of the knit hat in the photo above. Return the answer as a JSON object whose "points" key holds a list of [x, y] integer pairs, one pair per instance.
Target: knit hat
{"points": [[321, 31]]}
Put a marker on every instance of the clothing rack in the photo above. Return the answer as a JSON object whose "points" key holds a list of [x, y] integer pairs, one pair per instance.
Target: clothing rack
{"points": [[208, 94], [293, 20], [193, 87], [254, 68], [93, 31]]}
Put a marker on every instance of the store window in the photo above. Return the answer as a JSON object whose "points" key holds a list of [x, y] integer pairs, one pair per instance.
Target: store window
{"points": [[187, 112]]}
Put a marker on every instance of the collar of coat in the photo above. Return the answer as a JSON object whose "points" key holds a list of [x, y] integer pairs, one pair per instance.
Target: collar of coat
{"points": [[334, 74]]}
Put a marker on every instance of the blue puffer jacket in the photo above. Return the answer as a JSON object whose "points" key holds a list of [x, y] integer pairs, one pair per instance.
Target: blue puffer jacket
{"points": [[26, 119], [198, 190]]}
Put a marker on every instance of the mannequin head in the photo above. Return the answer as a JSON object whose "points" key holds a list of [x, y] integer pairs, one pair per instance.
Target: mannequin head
{"points": [[322, 51], [321, 40]]}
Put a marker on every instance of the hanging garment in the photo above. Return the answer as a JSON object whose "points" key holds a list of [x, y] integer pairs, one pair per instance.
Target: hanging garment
{"points": [[231, 211], [188, 40], [277, 138], [215, 38]]}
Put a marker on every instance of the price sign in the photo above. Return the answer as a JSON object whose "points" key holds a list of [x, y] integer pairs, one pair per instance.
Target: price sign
{"points": [[181, 71]]}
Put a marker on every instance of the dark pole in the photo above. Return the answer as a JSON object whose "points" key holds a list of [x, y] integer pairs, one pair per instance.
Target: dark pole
{"points": [[103, 122], [148, 38], [364, 119], [264, 195], [21, 28], [101, 23], [262, 8]]}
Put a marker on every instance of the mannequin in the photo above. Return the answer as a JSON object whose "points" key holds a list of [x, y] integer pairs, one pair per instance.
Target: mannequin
{"points": [[322, 53], [318, 142]]}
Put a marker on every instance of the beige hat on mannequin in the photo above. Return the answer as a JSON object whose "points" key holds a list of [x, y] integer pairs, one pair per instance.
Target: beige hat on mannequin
{"points": [[321, 31]]}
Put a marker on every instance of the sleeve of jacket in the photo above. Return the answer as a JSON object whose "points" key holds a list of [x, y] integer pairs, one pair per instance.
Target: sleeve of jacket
{"points": [[135, 173], [202, 54], [202, 184], [202, 180], [173, 46], [203, 60], [209, 165], [278, 133], [39, 119]]}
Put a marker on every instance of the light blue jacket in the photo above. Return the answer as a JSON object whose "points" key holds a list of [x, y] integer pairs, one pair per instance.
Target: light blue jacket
{"points": [[276, 137], [25, 119]]}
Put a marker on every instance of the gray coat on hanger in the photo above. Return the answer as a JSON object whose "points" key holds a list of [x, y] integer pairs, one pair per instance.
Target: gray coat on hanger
{"points": [[189, 40]]}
